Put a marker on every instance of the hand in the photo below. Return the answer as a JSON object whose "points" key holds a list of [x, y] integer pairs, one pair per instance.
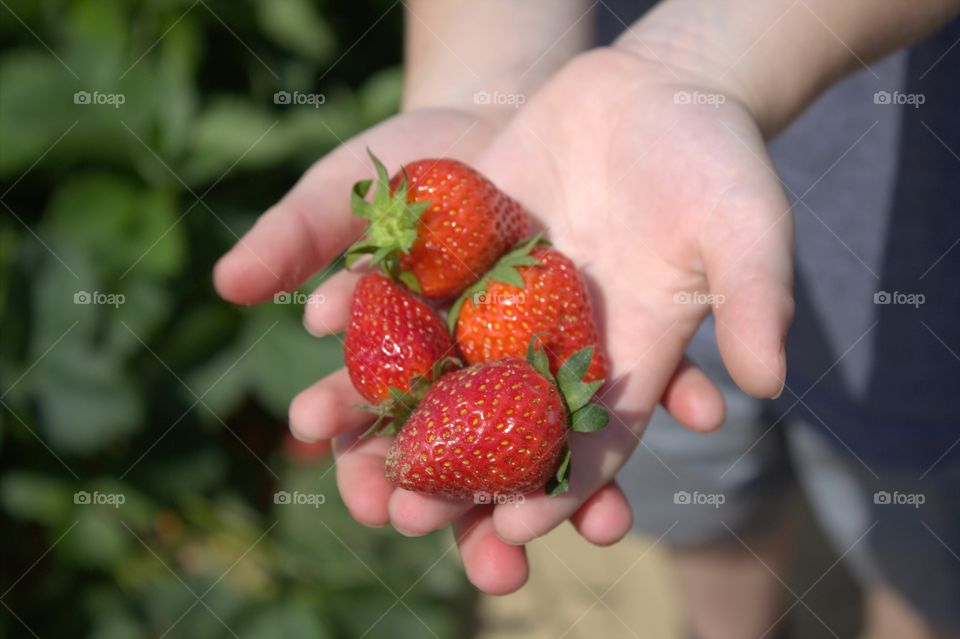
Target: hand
{"points": [[289, 239], [659, 202], [296, 238]]}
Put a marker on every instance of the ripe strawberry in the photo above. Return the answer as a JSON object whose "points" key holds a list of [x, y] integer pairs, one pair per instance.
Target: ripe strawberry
{"points": [[392, 338], [496, 428], [532, 291], [438, 226]]}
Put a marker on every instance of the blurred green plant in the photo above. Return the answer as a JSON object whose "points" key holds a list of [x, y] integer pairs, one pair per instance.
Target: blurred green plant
{"points": [[138, 140]]}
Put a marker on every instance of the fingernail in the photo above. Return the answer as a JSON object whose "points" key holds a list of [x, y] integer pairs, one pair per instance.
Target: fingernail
{"points": [[406, 532], [306, 327], [301, 438]]}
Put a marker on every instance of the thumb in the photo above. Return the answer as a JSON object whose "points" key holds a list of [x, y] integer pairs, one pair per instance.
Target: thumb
{"points": [[748, 251], [312, 224]]}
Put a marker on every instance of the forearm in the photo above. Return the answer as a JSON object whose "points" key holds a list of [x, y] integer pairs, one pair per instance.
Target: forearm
{"points": [[501, 49], [778, 55]]}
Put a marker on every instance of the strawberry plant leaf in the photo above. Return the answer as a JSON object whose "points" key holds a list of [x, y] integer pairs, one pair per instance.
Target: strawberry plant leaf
{"points": [[393, 413], [589, 419], [358, 197], [505, 270], [470, 294], [393, 222], [525, 260], [573, 370], [357, 251], [507, 275], [538, 358], [575, 391], [560, 482], [527, 245], [350, 259], [454, 312], [382, 194], [381, 426], [578, 395], [410, 280], [443, 366]]}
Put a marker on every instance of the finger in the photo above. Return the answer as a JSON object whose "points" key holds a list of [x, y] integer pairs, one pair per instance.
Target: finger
{"points": [[414, 514], [299, 235], [329, 308], [363, 486], [493, 566], [693, 399], [605, 517], [327, 409], [312, 224], [751, 273]]}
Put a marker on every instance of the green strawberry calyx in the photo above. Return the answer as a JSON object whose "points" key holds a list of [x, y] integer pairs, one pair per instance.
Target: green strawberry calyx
{"points": [[583, 416], [393, 412], [505, 270], [392, 227]]}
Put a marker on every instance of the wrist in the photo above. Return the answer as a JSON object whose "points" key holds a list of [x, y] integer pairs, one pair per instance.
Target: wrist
{"points": [[698, 54], [489, 57], [494, 98]]}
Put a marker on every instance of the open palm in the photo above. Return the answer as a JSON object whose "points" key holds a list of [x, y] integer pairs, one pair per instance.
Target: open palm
{"points": [[659, 200], [663, 194]]}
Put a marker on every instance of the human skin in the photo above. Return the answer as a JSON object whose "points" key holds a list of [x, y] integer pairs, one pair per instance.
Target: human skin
{"points": [[654, 199]]}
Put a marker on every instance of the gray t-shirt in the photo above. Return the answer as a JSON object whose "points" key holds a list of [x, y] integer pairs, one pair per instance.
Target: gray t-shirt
{"points": [[872, 169]]}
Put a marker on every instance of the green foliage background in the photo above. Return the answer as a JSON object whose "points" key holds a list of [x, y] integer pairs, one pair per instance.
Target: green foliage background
{"points": [[174, 399]]}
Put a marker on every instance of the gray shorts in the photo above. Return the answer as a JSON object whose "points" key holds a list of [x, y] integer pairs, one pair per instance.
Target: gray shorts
{"points": [[890, 525]]}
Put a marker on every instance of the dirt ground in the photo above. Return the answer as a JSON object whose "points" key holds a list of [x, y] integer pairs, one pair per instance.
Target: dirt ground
{"points": [[578, 590]]}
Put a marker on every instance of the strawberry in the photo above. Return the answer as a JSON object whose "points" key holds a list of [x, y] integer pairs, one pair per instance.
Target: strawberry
{"points": [[496, 428], [533, 291], [437, 226], [392, 339]]}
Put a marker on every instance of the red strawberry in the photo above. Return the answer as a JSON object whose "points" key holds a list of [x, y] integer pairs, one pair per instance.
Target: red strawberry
{"points": [[532, 291], [392, 338], [438, 227], [496, 428]]}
